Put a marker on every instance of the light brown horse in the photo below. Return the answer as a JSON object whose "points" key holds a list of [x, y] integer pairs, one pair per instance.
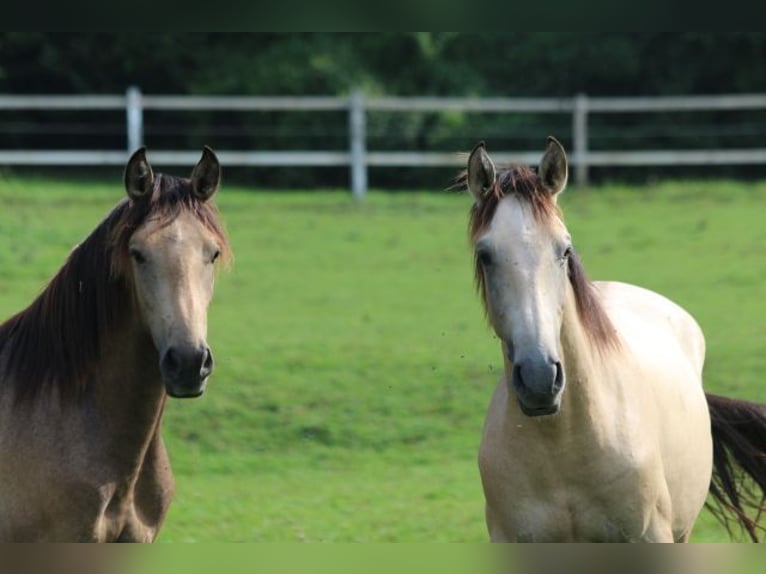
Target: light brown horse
{"points": [[86, 369], [599, 429]]}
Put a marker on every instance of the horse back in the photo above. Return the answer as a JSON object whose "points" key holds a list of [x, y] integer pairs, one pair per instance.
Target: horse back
{"points": [[654, 313]]}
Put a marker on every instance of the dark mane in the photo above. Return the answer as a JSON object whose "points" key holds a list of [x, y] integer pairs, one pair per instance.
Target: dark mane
{"points": [[58, 338], [594, 319], [525, 183]]}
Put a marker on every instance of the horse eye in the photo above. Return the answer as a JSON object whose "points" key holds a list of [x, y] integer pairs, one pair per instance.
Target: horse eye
{"points": [[484, 257], [216, 255], [567, 253], [137, 256]]}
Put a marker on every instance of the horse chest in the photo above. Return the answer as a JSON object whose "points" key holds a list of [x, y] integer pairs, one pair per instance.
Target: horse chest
{"points": [[135, 511], [126, 510], [80, 495], [116, 515], [539, 509], [565, 517], [564, 493]]}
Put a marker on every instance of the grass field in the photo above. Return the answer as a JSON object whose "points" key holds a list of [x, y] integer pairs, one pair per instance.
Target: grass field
{"points": [[353, 362]]}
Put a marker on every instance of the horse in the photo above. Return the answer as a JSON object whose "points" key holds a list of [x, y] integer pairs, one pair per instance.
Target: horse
{"points": [[86, 369], [599, 429]]}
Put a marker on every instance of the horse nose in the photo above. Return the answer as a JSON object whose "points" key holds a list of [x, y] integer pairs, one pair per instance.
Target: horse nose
{"points": [[540, 376], [538, 383], [185, 369]]}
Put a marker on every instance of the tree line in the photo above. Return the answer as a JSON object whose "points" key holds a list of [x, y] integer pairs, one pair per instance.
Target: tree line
{"points": [[545, 64]]}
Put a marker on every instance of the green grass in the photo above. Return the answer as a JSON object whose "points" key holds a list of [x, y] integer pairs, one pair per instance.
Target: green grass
{"points": [[353, 362]]}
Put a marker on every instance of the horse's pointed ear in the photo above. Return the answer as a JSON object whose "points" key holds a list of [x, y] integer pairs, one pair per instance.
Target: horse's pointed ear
{"points": [[481, 172], [553, 167], [139, 177], [206, 176]]}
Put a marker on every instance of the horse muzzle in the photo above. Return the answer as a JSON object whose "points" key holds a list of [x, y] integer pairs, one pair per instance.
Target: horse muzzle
{"points": [[185, 370], [538, 384]]}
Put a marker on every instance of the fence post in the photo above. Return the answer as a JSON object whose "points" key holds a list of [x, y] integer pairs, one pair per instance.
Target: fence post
{"points": [[580, 137], [358, 151], [135, 118]]}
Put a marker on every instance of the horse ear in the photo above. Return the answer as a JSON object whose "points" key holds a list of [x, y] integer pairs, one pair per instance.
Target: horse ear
{"points": [[553, 167], [481, 172], [206, 176], [139, 177]]}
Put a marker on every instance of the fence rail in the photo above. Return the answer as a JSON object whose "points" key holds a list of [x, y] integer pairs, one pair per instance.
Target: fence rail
{"points": [[357, 157]]}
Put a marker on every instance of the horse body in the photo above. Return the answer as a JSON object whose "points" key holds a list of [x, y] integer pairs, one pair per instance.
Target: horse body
{"points": [[95, 470], [86, 370], [539, 475], [600, 429]]}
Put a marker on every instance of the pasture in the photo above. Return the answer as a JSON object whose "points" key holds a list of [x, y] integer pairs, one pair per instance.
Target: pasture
{"points": [[353, 363]]}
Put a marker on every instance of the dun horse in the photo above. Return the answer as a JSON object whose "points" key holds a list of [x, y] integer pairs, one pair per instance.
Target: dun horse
{"points": [[600, 429], [85, 370]]}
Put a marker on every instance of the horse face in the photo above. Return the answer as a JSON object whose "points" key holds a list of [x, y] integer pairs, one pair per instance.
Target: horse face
{"points": [[523, 259], [525, 281], [173, 272]]}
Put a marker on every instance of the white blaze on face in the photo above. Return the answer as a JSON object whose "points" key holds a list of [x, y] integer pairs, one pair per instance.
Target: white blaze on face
{"points": [[524, 265]]}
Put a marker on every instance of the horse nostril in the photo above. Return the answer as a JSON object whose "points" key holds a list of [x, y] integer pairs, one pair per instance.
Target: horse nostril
{"points": [[207, 362], [558, 381], [171, 362], [517, 374]]}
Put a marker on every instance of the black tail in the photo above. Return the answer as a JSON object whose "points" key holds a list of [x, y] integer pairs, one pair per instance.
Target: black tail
{"points": [[738, 485]]}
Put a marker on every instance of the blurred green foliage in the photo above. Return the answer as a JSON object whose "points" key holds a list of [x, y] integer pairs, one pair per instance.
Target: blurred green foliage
{"points": [[542, 64], [399, 63]]}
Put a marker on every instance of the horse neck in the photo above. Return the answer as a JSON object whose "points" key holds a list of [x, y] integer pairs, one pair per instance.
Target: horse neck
{"points": [[127, 391], [581, 362]]}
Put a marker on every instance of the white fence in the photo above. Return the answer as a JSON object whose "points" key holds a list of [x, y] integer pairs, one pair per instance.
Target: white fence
{"points": [[357, 157]]}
